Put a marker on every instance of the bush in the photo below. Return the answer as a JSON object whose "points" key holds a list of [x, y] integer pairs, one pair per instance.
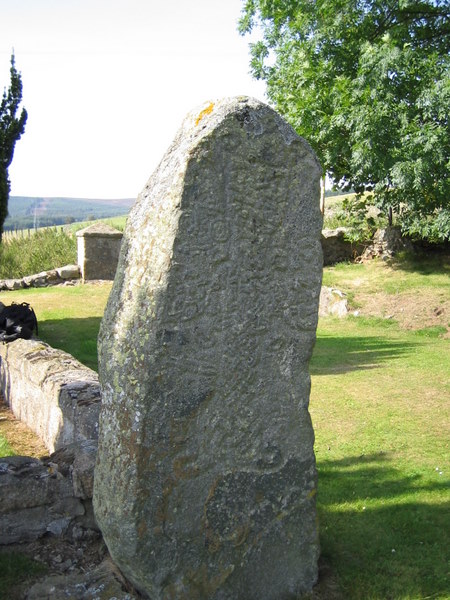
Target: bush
{"points": [[354, 213], [46, 249]]}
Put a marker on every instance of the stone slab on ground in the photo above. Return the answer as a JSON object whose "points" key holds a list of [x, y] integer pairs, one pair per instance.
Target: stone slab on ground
{"points": [[332, 302], [101, 583]]}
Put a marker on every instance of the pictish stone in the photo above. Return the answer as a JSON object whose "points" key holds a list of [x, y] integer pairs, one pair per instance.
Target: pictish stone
{"points": [[205, 478]]}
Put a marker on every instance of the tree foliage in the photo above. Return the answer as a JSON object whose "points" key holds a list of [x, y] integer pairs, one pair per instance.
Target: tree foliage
{"points": [[11, 129], [367, 82]]}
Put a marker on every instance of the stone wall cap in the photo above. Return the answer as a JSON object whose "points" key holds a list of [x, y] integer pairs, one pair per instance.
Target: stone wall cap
{"points": [[99, 230], [338, 232]]}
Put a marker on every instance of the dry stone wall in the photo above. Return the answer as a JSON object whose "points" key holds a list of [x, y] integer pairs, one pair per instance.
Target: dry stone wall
{"points": [[39, 497], [60, 276], [50, 391], [205, 480], [59, 399], [336, 248]]}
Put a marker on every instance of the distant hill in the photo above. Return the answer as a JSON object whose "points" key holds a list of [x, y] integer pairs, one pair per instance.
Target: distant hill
{"points": [[28, 212]]}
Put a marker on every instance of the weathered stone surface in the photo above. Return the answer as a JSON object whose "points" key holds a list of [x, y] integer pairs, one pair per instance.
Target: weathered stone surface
{"points": [[34, 499], [43, 279], [336, 248], [12, 284], [101, 583], [98, 251], [100, 230], [69, 272], [38, 280], [78, 461], [205, 478], [387, 243], [50, 391], [332, 302], [83, 469]]}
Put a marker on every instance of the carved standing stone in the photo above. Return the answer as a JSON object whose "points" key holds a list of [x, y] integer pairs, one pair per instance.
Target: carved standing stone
{"points": [[205, 479]]}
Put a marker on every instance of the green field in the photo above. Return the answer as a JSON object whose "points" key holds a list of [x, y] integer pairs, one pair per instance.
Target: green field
{"points": [[380, 408], [29, 212]]}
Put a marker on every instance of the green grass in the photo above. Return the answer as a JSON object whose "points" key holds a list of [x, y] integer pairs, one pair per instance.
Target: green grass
{"points": [[409, 274], [380, 409], [5, 448], [68, 317], [14, 567], [44, 250]]}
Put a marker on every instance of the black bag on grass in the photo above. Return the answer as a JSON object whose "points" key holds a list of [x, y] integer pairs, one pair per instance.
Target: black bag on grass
{"points": [[17, 321]]}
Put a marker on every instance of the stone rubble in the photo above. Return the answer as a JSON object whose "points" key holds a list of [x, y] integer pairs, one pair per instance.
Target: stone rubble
{"points": [[39, 497], [66, 275], [332, 302]]}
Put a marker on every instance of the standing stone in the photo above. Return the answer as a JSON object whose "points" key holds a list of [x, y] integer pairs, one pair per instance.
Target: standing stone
{"points": [[205, 478]]}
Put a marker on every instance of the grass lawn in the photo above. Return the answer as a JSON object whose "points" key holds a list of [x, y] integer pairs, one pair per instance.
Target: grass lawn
{"points": [[68, 317], [15, 566], [380, 409]]}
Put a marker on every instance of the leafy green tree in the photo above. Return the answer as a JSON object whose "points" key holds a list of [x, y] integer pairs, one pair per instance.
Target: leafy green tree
{"points": [[367, 82], [11, 129]]}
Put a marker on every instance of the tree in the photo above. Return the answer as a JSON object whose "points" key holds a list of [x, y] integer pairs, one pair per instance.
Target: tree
{"points": [[11, 129], [367, 83]]}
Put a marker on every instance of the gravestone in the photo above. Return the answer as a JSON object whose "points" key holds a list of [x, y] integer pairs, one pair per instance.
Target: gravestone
{"points": [[205, 478]]}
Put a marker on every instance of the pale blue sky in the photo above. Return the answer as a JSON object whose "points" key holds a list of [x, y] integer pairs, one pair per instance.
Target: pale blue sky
{"points": [[108, 82]]}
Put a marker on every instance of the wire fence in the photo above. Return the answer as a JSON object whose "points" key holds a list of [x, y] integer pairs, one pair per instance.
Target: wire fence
{"points": [[14, 234]]}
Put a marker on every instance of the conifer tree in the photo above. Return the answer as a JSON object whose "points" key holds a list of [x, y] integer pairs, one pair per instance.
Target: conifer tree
{"points": [[11, 129]]}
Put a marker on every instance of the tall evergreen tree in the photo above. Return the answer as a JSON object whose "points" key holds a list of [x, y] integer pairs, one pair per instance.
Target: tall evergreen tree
{"points": [[11, 129]]}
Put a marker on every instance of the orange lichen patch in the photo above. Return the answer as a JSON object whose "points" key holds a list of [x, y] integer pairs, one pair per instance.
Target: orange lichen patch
{"points": [[181, 468], [142, 528], [312, 493], [198, 583], [206, 111]]}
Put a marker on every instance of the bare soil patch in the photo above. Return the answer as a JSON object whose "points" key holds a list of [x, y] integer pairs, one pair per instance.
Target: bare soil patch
{"points": [[19, 436], [410, 309]]}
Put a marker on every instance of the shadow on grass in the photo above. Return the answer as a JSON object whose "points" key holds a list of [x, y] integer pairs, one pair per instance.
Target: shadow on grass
{"points": [[385, 533], [78, 337], [333, 355], [434, 263]]}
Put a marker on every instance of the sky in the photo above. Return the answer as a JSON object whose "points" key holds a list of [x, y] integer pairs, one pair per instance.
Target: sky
{"points": [[107, 83]]}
